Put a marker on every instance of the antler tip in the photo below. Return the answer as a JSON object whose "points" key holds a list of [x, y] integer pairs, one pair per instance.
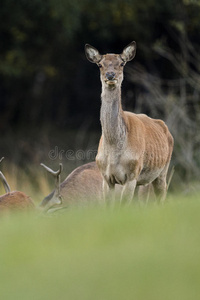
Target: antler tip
{"points": [[1, 159]]}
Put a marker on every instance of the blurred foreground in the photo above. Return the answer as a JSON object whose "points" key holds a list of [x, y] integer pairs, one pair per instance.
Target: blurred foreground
{"points": [[150, 252]]}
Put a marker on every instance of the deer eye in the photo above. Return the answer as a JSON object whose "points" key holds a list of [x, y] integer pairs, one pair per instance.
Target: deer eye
{"points": [[99, 65], [122, 64]]}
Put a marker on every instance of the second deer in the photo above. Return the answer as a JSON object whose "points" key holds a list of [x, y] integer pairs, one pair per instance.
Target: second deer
{"points": [[83, 185], [134, 149], [14, 201]]}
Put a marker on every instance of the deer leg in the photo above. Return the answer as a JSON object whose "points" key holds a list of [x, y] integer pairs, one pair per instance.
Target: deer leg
{"points": [[128, 191], [160, 188], [108, 192], [160, 185], [144, 193]]}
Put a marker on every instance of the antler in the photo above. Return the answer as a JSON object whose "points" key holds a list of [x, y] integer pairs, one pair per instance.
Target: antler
{"points": [[56, 174], [1, 159], [4, 181]]}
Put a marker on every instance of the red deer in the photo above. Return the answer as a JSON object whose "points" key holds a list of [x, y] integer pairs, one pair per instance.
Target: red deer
{"points": [[14, 201], [83, 185], [134, 149]]}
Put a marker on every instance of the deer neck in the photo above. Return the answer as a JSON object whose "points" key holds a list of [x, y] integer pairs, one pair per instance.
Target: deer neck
{"points": [[112, 120]]}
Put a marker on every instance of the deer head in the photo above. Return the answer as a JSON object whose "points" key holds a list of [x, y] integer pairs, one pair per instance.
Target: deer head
{"points": [[111, 65]]}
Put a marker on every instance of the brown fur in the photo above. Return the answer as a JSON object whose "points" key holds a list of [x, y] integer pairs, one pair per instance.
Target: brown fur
{"points": [[84, 183], [15, 201]]}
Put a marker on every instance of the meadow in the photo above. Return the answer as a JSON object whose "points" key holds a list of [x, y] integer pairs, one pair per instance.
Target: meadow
{"points": [[96, 252]]}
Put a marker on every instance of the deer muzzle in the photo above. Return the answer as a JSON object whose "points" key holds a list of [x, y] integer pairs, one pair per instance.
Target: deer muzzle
{"points": [[110, 76]]}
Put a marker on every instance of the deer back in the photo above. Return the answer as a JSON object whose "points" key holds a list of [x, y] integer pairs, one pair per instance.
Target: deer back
{"points": [[16, 201], [84, 184]]}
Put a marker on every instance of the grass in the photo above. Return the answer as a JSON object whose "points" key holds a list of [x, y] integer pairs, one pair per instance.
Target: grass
{"points": [[150, 252]]}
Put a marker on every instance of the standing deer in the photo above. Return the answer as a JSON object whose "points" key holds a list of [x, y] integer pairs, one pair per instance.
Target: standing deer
{"points": [[13, 201], [134, 149]]}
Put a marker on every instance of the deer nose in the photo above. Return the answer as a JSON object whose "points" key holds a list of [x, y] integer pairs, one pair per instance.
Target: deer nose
{"points": [[110, 75]]}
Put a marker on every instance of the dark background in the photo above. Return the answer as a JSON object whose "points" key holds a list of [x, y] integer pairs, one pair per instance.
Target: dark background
{"points": [[50, 93]]}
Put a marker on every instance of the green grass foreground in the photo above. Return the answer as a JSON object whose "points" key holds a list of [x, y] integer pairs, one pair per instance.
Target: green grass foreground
{"points": [[97, 253]]}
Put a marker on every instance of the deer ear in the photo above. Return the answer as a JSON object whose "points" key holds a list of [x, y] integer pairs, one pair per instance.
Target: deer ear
{"points": [[129, 52], [92, 54]]}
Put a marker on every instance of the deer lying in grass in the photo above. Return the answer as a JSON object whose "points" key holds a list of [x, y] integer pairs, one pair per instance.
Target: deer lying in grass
{"points": [[134, 149], [83, 185], [13, 201]]}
